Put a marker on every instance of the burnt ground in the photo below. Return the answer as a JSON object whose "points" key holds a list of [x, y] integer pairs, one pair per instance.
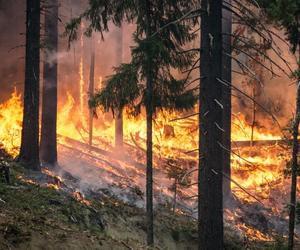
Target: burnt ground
{"points": [[41, 211]]}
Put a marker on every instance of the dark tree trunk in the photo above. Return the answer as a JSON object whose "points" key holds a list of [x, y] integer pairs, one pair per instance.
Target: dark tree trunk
{"points": [[175, 195], [226, 99], [29, 151], [210, 202], [49, 105], [149, 114], [119, 115], [91, 92], [294, 164]]}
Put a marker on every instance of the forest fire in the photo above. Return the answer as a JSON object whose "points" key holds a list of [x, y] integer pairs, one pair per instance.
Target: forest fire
{"points": [[127, 114], [11, 123], [257, 169]]}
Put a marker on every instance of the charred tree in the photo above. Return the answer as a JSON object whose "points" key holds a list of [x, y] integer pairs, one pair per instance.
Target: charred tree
{"points": [[29, 151], [210, 200], [91, 92], [119, 112], [49, 96], [226, 98]]}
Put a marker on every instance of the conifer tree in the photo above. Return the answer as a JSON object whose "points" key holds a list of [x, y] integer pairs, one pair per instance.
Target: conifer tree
{"points": [[286, 14], [29, 151], [210, 173], [119, 113], [226, 98], [48, 145], [148, 76]]}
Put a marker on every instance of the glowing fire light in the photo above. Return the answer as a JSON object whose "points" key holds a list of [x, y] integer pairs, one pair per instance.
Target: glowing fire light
{"points": [[11, 113], [257, 168]]}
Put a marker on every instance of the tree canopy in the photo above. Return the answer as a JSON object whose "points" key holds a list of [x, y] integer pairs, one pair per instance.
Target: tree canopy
{"points": [[286, 14]]}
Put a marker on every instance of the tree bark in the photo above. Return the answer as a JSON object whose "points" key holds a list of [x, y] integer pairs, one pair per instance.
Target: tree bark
{"points": [[119, 115], [29, 151], [294, 165], [49, 98], [149, 143], [210, 202], [226, 99]]}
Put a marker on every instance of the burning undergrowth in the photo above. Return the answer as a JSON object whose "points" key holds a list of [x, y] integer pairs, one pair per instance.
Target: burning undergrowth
{"points": [[41, 208], [260, 188], [251, 220]]}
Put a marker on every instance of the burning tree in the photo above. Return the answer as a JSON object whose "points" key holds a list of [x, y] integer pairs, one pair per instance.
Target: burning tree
{"points": [[157, 51]]}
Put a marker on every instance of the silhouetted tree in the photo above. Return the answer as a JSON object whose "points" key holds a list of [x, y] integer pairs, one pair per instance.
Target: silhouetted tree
{"points": [[92, 91], [148, 76], [286, 14], [48, 146], [226, 97], [29, 151], [119, 113], [210, 201]]}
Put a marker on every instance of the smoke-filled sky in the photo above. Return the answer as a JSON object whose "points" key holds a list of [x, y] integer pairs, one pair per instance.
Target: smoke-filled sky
{"points": [[12, 41], [277, 92], [12, 26]]}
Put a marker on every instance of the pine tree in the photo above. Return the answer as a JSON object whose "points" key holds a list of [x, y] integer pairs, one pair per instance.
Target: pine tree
{"points": [[148, 76], [29, 151], [210, 197], [119, 113], [286, 14], [226, 98], [48, 145], [92, 91]]}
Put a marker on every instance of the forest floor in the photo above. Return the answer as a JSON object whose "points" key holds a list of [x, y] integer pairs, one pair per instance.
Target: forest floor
{"points": [[36, 214]]}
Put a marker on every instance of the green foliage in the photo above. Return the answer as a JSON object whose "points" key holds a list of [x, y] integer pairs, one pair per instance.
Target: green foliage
{"points": [[286, 13], [296, 74], [121, 90], [157, 52]]}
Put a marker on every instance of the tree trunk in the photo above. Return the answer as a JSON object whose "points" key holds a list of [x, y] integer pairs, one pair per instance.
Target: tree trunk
{"points": [[29, 151], [119, 115], [149, 114], [49, 106], [210, 202], [294, 164], [91, 92], [175, 195], [226, 99], [253, 115]]}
